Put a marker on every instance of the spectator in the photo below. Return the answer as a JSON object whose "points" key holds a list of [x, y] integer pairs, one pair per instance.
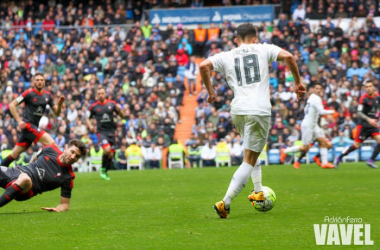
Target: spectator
{"points": [[341, 140], [299, 13], [153, 156], [192, 70], [208, 154]]}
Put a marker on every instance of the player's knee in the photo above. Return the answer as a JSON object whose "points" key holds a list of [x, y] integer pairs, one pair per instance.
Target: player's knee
{"points": [[305, 148], [24, 181], [15, 154], [46, 140]]}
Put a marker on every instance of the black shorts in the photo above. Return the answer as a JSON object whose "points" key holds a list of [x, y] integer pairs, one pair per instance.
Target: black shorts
{"points": [[31, 134], [363, 131], [10, 175], [106, 140]]}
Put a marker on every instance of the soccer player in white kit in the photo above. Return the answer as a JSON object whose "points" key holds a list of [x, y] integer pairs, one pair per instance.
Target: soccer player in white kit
{"points": [[247, 73], [310, 129]]}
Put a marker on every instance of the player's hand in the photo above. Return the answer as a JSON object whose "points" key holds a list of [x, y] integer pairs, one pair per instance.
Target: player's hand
{"points": [[211, 98], [22, 125], [372, 122], [61, 100], [300, 91], [50, 209]]}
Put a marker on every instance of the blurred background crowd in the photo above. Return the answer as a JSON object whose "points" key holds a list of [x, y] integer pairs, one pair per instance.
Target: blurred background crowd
{"points": [[81, 45]]}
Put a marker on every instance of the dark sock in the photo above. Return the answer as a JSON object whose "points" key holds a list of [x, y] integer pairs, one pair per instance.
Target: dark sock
{"points": [[104, 161], [108, 165], [302, 155], [347, 151], [7, 161], [318, 155], [10, 193], [375, 152]]}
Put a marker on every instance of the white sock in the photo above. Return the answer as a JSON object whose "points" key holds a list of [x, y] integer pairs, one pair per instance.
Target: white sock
{"points": [[292, 149], [238, 182], [256, 177], [324, 155]]}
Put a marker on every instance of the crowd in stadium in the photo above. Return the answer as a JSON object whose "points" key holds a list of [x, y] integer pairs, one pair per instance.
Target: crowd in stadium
{"points": [[143, 68]]}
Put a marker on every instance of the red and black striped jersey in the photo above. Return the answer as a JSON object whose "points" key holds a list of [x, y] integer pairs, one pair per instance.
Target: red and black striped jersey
{"points": [[35, 105], [48, 172], [104, 115]]}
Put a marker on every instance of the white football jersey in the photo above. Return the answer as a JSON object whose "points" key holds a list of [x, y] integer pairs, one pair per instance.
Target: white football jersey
{"points": [[247, 73], [313, 109]]}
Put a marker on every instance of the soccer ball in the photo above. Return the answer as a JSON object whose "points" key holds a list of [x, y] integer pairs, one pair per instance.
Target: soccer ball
{"points": [[268, 204]]}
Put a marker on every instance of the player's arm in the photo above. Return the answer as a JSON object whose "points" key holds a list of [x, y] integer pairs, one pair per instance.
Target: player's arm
{"points": [[34, 158], [205, 70], [292, 65], [119, 111], [64, 206], [13, 109], [88, 119], [57, 108], [323, 111], [361, 115]]}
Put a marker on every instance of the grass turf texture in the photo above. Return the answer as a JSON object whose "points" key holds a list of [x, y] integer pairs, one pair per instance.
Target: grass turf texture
{"points": [[172, 209]]}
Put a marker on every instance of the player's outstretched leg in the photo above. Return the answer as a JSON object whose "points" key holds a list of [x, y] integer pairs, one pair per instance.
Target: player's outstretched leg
{"points": [[16, 188], [317, 159], [257, 194], [7, 161], [345, 152], [238, 182], [103, 169], [324, 156], [297, 163], [371, 161]]}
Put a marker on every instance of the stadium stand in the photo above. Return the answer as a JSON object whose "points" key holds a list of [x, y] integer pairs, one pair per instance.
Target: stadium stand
{"points": [[138, 63]]}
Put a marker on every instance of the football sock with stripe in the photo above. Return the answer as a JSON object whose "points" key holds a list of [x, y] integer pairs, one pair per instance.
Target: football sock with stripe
{"points": [[7, 161], [10, 193]]}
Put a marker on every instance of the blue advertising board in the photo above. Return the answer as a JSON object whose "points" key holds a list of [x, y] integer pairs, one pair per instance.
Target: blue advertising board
{"points": [[212, 15]]}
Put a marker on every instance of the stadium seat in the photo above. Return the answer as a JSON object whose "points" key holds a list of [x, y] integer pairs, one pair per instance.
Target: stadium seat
{"points": [[26, 85], [330, 155], [100, 75], [94, 138], [129, 14], [222, 157], [37, 28], [365, 153], [135, 161], [175, 159], [181, 71], [169, 79], [274, 156]]}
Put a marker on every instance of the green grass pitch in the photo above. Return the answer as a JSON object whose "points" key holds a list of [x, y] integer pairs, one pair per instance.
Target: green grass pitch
{"points": [[172, 209]]}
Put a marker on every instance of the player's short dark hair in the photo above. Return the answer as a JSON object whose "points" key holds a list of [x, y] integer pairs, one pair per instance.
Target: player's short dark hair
{"points": [[80, 145], [318, 83], [38, 74], [246, 30], [101, 88], [369, 81]]}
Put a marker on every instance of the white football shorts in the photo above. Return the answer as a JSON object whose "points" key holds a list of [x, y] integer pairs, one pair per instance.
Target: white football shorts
{"points": [[253, 129]]}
